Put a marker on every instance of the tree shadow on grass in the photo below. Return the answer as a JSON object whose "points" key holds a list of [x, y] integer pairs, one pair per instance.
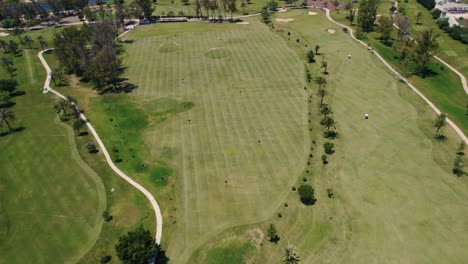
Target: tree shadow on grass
{"points": [[12, 131], [124, 86]]}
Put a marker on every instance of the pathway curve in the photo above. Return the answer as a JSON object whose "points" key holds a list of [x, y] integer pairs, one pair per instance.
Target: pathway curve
{"points": [[148, 195], [450, 122], [462, 77]]}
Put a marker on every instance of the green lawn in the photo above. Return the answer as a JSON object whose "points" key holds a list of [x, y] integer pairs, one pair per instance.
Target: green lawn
{"points": [[452, 51], [163, 7], [395, 197], [444, 88], [51, 200]]}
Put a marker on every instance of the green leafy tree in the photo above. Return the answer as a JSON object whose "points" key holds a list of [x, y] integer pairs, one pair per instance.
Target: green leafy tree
{"points": [[351, 16], [367, 14], [310, 56], [7, 64], [425, 49], [385, 27], [146, 7], [273, 234], [4, 45], [8, 85], [78, 125], [243, 5], [290, 255], [138, 247], [6, 116], [42, 42], [317, 47], [306, 194], [27, 40], [440, 122], [18, 32], [13, 47], [265, 15]]}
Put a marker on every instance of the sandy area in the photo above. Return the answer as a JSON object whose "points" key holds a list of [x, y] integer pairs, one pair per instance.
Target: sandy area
{"points": [[312, 13], [286, 20], [282, 10], [243, 23], [3, 34], [331, 31]]}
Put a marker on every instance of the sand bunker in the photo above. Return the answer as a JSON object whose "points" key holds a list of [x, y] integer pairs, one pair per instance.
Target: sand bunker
{"points": [[3, 34], [331, 31], [286, 20], [243, 23], [312, 13], [282, 10]]}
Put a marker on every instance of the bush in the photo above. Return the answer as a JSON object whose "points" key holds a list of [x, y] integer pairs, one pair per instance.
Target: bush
{"points": [[324, 159], [436, 13], [106, 259], [10, 23], [328, 147], [306, 194], [32, 23], [107, 216], [359, 34], [91, 147], [345, 30]]}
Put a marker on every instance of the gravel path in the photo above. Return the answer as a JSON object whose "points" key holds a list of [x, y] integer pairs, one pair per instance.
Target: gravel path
{"points": [[148, 195]]}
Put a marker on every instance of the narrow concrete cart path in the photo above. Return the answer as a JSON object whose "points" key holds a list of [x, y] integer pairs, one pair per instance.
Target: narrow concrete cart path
{"points": [[148, 195], [450, 122]]}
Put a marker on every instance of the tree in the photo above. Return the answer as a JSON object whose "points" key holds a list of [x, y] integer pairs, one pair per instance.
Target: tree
{"points": [[6, 116], [243, 5], [58, 109], [403, 25], [328, 122], [418, 17], [232, 6], [8, 86], [461, 149], [27, 40], [272, 234], [7, 64], [367, 14], [91, 147], [440, 122], [185, 2], [328, 148], [4, 45], [146, 7], [78, 125], [348, 6], [321, 82], [104, 68], [198, 8], [136, 247], [425, 49], [42, 42], [326, 110], [265, 15], [306, 194], [119, 12], [322, 93], [290, 255], [385, 27], [317, 47], [310, 56], [17, 32], [12, 47], [325, 66], [351, 16]]}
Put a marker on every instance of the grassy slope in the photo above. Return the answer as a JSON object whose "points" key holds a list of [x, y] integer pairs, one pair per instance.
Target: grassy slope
{"points": [[127, 205], [247, 96], [396, 200], [452, 51], [189, 10], [51, 200], [444, 88]]}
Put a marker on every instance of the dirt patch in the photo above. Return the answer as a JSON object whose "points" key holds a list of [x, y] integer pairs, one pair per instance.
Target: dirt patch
{"points": [[256, 235], [3, 34], [243, 23], [282, 10], [312, 13], [331, 31], [285, 20]]}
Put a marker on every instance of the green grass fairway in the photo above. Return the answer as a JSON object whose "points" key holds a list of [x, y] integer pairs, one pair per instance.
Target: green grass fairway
{"points": [[51, 202], [246, 139], [397, 201]]}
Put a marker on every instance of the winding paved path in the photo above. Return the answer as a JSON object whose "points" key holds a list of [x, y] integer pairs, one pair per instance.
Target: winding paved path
{"points": [[148, 195], [450, 122]]}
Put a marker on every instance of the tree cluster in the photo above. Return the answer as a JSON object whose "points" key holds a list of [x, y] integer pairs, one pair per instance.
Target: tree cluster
{"points": [[456, 32], [367, 14], [139, 247], [91, 52]]}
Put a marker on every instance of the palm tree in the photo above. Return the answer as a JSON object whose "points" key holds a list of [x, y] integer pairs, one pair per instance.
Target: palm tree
{"points": [[4, 45], [328, 122], [418, 17], [321, 82], [243, 5], [326, 110], [17, 32], [42, 41], [321, 92], [325, 65], [6, 116], [440, 122], [7, 63], [27, 40], [290, 255]]}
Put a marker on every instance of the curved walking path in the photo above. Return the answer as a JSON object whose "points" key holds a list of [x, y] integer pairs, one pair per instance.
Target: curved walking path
{"points": [[148, 195], [462, 77], [450, 122]]}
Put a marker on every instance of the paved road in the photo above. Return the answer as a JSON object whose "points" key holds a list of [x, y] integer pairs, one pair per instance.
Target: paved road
{"points": [[148, 195], [455, 127]]}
